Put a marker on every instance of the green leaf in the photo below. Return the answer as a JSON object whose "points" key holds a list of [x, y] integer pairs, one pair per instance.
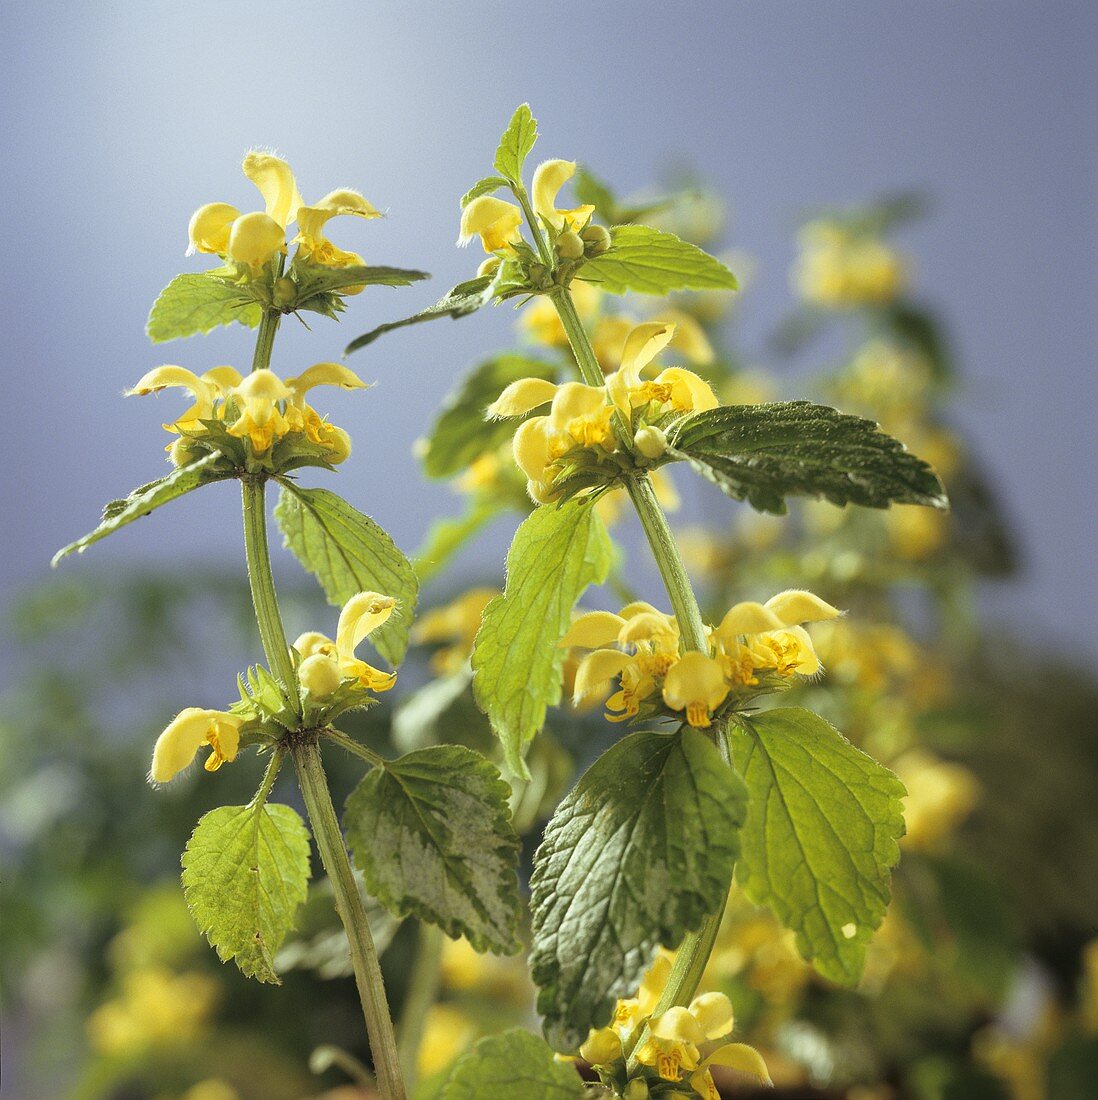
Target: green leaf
{"points": [[461, 434], [348, 553], [146, 498], [764, 453], [650, 261], [245, 872], [637, 854], [465, 298], [195, 303], [517, 663], [318, 279], [513, 1065], [432, 834], [482, 187], [821, 832], [446, 536], [517, 141]]}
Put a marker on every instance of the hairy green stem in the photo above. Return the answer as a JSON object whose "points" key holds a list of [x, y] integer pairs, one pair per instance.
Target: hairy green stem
{"points": [[348, 902], [264, 341], [422, 993]]}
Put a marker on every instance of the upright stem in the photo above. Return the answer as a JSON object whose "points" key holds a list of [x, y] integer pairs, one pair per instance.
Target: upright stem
{"points": [[422, 993], [348, 902], [264, 341]]}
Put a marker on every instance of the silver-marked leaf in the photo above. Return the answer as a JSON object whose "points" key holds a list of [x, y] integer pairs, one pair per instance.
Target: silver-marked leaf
{"points": [[245, 872], [637, 854], [821, 832], [348, 553], [514, 1065], [432, 834], [147, 498], [517, 662], [198, 302]]}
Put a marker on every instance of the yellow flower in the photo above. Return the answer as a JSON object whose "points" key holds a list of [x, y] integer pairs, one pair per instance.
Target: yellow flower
{"points": [[602, 1047], [258, 397], [311, 221], [940, 795], [326, 664], [540, 321], [549, 178], [495, 221], [187, 732], [839, 268], [301, 417], [456, 623], [207, 389], [696, 684]]}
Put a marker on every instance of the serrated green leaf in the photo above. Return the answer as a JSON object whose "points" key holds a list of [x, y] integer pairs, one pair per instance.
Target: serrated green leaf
{"points": [[460, 433], [764, 453], [515, 144], [316, 279], [245, 872], [514, 1065], [147, 498], [465, 298], [482, 187], [432, 834], [650, 261], [348, 553], [637, 854], [517, 662], [821, 832], [195, 303]]}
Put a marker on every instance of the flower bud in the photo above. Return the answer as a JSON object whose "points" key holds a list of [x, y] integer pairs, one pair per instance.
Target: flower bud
{"points": [[569, 245], [285, 291], [488, 266], [339, 444], [184, 451], [254, 239], [637, 1089], [651, 442], [596, 238], [319, 675]]}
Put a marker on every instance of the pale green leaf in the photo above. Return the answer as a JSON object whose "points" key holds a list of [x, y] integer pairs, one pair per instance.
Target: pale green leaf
{"points": [[465, 298], [195, 303], [637, 854], [432, 834], [515, 144], [482, 187], [821, 832], [764, 453], [147, 498], [446, 536], [245, 872], [650, 261], [349, 553], [514, 1065], [517, 661]]}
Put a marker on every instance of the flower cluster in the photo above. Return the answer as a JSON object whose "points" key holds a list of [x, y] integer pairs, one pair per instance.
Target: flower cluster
{"points": [[323, 668], [259, 408], [672, 1046], [840, 267], [579, 431], [755, 648], [252, 240]]}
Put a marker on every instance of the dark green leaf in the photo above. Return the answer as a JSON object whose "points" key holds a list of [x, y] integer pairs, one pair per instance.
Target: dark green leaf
{"points": [[465, 298], [821, 832], [432, 834], [146, 498], [556, 553], [764, 453], [348, 553], [515, 144], [650, 261], [195, 303], [245, 872], [637, 854], [513, 1065]]}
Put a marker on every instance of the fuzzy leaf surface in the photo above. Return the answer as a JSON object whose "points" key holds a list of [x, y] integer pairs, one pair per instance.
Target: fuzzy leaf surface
{"points": [[650, 261], [147, 498], [637, 854], [820, 839], [517, 661], [485, 186], [514, 1065], [348, 553], [515, 144], [764, 453], [245, 873], [197, 302], [432, 834]]}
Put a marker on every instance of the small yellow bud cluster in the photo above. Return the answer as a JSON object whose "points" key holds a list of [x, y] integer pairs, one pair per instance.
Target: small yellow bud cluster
{"points": [[672, 1047], [251, 240], [639, 647], [839, 268], [260, 408]]}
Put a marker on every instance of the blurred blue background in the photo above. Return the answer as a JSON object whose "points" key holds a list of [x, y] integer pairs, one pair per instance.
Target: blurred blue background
{"points": [[121, 118]]}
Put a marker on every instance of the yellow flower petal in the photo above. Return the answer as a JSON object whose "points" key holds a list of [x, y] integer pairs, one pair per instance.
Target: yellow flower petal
{"points": [[743, 1058], [275, 181], [689, 393], [312, 641], [690, 338], [531, 447], [601, 1047], [678, 1025], [319, 675], [193, 727], [549, 178], [254, 239], [521, 396], [324, 374], [796, 606], [713, 1011], [495, 221], [593, 629], [223, 379], [748, 617], [642, 345], [208, 230], [361, 615], [595, 671], [696, 684]]}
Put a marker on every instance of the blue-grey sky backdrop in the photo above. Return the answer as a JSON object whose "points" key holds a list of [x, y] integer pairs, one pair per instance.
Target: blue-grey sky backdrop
{"points": [[119, 119]]}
